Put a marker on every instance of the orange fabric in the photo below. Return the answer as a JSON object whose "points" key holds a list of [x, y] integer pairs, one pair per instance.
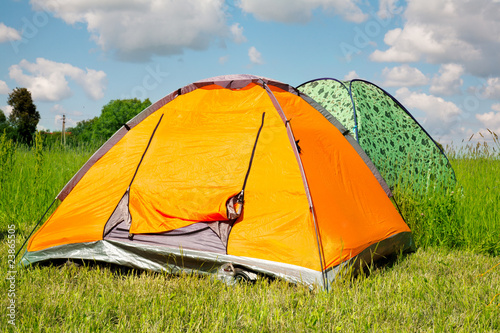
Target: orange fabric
{"points": [[82, 215], [198, 159], [277, 223], [352, 210]]}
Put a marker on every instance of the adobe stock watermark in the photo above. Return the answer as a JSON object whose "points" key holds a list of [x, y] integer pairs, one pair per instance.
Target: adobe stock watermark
{"points": [[469, 106], [11, 275], [152, 80], [31, 26], [364, 36]]}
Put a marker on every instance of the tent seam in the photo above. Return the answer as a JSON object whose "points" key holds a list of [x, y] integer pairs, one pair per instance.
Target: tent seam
{"points": [[135, 173], [291, 139]]}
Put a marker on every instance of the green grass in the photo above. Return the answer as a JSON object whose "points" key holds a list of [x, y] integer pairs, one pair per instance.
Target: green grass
{"points": [[450, 284], [430, 290], [34, 180], [466, 216]]}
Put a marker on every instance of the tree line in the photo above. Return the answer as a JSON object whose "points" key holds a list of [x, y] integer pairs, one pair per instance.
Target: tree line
{"points": [[20, 125]]}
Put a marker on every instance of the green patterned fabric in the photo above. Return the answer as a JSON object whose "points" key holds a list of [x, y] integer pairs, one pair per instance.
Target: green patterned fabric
{"points": [[401, 150], [333, 96]]}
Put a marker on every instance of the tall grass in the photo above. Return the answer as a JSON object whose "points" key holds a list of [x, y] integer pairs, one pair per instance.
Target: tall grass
{"points": [[448, 285], [466, 216], [32, 178], [432, 290]]}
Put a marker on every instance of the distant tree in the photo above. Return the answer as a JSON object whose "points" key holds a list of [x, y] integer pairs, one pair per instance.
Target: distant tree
{"points": [[115, 114], [83, 130], [3, 122], [5, 126], [24, 116], [440, 146]]}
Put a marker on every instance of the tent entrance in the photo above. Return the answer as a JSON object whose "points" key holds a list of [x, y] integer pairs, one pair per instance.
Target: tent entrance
{"points": [[198, 236], [213, 199]]}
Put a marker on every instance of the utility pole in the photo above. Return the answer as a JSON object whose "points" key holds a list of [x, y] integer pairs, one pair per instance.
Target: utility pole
{"points": [[63, 133]]}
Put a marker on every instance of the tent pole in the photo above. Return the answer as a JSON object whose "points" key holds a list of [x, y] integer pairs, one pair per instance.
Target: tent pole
{"points": [[354, 111], [33, 230], [291, 137]]}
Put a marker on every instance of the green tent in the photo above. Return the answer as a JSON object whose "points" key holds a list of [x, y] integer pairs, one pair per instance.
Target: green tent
{"points": [[400, 148]]}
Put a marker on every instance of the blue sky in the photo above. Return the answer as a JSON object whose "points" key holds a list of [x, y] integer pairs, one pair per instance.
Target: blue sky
{"points": [[439, 58]]}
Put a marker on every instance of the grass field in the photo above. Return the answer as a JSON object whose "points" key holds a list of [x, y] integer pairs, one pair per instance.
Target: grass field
{"points": [[451, 283]]}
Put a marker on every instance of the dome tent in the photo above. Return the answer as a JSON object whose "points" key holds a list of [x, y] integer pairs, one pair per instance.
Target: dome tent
{"points": [[237, 171], [403, 152]]}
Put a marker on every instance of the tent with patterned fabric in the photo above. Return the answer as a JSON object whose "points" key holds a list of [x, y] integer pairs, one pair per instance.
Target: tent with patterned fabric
{"points": [[233, 174], [403, 152]]}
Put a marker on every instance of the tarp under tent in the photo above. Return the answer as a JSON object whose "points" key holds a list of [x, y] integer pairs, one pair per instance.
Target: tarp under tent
{"points": [[403, 152], [230, 173]]}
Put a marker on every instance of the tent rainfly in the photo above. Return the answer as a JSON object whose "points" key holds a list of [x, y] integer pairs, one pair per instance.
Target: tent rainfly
{"points": [[403, 152], [231, 175]]}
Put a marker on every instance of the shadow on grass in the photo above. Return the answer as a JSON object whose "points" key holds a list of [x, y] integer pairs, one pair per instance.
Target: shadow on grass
{"points": [[355, 273]]}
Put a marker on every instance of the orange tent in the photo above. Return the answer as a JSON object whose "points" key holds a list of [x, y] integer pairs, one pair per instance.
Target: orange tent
{"points": [[234, 171]]}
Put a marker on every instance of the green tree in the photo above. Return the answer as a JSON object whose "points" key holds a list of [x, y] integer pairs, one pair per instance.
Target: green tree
{"points": [[5, 126], [115, 114], [7, 151], [24, 116], [3, 119], [83, 130]]}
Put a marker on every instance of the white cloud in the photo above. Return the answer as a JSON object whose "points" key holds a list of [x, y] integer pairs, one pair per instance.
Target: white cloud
{"points": [[135, 30], [58, 120], [4, 89], [59, 109], [351, 76], [47, 80], [300, 11], [490, 120], [223, 59], [409, 45], [449, 81], [441, 116], [237, 33], [255, 56], [93, 82], [444, 31], [388, 8], [492, 88], [430, 104], [403, 76], [496, 107], [8, 33], [7, 109], [41, 128]]}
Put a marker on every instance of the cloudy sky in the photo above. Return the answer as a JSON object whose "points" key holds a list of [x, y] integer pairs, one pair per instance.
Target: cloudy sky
{"points": [[439, 58]]}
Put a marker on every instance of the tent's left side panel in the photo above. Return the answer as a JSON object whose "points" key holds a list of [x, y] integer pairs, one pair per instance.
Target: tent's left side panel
{"points": [[82, 215]]}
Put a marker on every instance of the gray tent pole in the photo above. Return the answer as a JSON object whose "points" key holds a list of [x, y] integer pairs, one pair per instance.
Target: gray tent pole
{"points": [[36, 225], [291, 137], [354, 111]]}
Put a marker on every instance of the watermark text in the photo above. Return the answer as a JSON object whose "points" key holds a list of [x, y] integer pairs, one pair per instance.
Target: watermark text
{"points": [[11, 275]]}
